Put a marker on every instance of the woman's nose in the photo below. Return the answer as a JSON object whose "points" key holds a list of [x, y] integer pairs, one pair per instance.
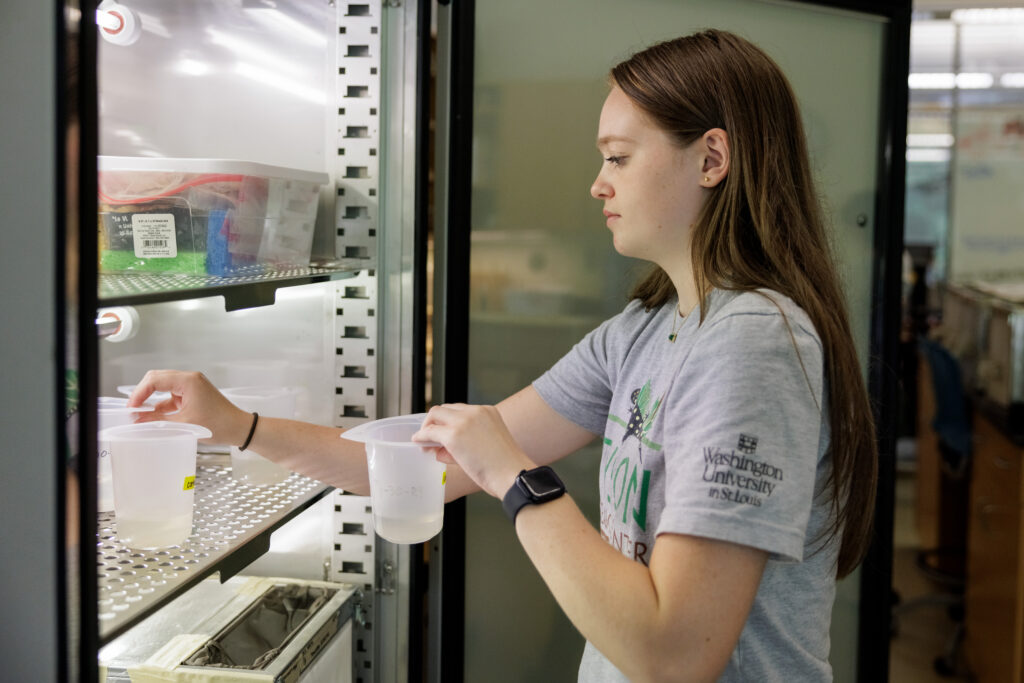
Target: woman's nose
{"points": [[600, 189]]}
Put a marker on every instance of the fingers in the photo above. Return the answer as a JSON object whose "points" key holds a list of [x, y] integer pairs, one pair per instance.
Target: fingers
{"points": [[442, 455], [154, 380], [167, 409], [446, 411], [432, 432]]}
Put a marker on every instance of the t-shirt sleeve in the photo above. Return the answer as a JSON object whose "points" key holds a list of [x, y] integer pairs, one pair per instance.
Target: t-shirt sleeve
{"points": [[742, 434], [579, 387]]}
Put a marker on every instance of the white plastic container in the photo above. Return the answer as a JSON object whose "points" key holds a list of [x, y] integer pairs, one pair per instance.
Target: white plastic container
{"points": [[112, 411], [154, 468], [406, 480], [204, 216], [250, 467]]}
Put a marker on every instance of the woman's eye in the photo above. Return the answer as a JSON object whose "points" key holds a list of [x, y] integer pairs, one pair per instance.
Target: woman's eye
{"points": [[617, 161]]}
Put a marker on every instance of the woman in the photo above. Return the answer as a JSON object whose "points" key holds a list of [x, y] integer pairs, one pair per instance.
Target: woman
{"points": [[738, 469]]}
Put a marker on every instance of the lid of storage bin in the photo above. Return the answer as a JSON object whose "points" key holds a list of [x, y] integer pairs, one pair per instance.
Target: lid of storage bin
{"points": [[229, 166]]}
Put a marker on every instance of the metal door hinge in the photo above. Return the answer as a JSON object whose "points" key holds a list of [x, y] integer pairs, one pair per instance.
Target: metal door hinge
{"points": [[386, 584]]}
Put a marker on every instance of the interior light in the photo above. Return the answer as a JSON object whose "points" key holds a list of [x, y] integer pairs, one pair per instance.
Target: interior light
{"points": [[989, 15], [313, 291], [118, 24], [192, 67], [931, 81], [189, 305], [1012, 80], [925, 155], [107, 20], [977, 80], [929, 140]]}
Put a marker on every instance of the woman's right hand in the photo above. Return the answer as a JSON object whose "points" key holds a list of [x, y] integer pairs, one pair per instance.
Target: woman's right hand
{"points": [[193, 400]]}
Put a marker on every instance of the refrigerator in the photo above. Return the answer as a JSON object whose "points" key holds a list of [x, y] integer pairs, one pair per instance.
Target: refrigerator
{"points": [[456, 255]]}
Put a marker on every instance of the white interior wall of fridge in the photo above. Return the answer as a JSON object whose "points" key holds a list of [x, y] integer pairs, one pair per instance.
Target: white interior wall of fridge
{"points": [[299, 85]]}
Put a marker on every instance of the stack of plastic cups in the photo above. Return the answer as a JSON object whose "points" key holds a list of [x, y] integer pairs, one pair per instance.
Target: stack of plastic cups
{"points": [[250, 467]]}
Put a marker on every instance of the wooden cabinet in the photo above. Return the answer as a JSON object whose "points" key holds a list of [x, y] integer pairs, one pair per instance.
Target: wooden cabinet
{"points": [[994, 640]]}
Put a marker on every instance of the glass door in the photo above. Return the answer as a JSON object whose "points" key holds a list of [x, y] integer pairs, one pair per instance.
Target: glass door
{"points": [[527, 83]]}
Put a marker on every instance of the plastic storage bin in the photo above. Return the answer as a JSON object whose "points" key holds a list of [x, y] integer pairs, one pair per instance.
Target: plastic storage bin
{"points": [[245, 630], [204, 216]]}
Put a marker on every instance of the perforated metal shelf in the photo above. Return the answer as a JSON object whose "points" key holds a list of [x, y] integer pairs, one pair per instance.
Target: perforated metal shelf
{"points": [[231, 527], [239, 291]]}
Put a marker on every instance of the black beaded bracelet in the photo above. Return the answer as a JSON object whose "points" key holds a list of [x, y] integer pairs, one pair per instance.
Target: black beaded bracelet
{"points": [[252, 430]]}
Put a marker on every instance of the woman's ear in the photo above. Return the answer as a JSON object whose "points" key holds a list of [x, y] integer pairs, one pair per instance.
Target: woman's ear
{"points": [[715, 157]]}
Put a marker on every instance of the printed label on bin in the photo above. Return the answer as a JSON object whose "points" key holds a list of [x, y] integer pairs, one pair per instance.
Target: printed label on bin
{"points": [[154, 235], [190, 483]]}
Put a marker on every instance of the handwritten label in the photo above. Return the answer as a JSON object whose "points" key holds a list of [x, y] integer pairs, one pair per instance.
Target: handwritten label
{"points": [[190, 483]]}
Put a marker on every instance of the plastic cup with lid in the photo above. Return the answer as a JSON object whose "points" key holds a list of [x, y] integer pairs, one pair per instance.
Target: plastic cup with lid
{"points": [[406, 480], [154, 469], [112, 411], [247, 466]]}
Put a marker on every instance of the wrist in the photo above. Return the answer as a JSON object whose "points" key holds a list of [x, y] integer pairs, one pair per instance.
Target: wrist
{"points": [[240, 424], [508, 477], [535, 486]]}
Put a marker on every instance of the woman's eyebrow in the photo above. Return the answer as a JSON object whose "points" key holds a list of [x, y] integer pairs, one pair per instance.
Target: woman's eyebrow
{"points": [[613, 138]]}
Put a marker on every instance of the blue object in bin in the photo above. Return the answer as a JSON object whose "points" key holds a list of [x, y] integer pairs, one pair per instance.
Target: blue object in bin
{"points": [[218, 258]]}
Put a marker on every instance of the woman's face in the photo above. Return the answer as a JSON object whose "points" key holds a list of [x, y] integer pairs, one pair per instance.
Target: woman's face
{"points": [[649, 185]]}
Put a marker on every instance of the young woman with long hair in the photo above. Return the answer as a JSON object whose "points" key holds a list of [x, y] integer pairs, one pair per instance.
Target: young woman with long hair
{"points": [[738, 468]]}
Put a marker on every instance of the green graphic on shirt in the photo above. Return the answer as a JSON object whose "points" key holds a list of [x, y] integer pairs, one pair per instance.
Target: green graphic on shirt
{"points": [[623, 486], [627, 484], [641, 416]]}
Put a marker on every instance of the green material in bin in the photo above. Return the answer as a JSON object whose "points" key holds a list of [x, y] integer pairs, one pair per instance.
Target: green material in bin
{"points": [[116, 261]]}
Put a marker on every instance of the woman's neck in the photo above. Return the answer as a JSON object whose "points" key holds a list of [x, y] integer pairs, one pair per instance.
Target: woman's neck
{"points": [[686, 288]]}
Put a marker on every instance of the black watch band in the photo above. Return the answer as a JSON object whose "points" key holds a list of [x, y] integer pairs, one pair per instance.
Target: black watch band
{"points": [[532, 487]]}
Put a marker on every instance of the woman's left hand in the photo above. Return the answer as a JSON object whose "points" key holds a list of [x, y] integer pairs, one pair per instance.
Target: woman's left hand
{"points": [[476, 439]]}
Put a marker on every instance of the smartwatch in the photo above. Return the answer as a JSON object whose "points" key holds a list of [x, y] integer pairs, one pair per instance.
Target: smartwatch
{"points": [[532, 487]]}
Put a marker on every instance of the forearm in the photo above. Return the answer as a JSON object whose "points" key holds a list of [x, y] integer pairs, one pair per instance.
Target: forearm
{"points": [[323, 453], [615, 602], [309, 449]]}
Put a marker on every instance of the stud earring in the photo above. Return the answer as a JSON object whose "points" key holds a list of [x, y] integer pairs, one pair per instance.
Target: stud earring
{"points": [[707, 179]]}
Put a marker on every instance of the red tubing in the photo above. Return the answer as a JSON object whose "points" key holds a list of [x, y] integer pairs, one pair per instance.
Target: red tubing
{"points": [[201, 180]]}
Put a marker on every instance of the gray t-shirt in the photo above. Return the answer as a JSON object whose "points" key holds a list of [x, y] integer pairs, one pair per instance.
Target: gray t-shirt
{"points": [[722, 434]]}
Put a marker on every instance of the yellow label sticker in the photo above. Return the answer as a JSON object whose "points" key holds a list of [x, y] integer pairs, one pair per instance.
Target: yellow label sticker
{"points": [[190, 483], [444, 477]]}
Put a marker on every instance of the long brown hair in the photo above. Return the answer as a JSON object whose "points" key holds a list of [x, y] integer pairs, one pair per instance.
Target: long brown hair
{"points": [[763, 227]]}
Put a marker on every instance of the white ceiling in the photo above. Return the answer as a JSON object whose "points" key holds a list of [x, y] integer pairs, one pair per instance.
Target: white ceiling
{"points": [[949, 5], [993, 48]]}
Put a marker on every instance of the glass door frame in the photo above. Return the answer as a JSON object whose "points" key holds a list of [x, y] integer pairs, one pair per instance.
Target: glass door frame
{"points": [[451, 341]]}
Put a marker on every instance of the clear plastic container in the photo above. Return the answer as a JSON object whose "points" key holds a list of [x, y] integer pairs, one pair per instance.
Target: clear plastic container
{"points": [[248, 466], [204, 216], [112, 411], [154, 468], [406, 480]]}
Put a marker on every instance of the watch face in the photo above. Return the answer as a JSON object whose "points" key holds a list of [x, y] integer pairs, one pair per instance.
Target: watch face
{"points": [[542, 482]]}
